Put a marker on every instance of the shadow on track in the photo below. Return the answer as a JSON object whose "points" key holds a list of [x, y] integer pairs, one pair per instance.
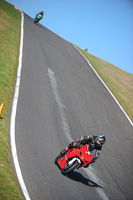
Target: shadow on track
{"points": [[76, 176]]}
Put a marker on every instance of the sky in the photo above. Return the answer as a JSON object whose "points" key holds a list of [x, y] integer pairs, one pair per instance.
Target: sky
{"points": [[104, 27]]}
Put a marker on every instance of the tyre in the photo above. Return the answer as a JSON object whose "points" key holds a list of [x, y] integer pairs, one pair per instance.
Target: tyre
{"points": [[70, 169], [56, 160], [36, 21]]}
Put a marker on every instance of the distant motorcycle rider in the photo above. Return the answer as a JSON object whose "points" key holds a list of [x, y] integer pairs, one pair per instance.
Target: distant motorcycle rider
{"points": [[95, 142], [38, 17], [40, 14]]}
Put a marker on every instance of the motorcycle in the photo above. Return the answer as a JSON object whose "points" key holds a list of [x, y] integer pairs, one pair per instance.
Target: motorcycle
{"points": [[37, 18], [75, 158]]}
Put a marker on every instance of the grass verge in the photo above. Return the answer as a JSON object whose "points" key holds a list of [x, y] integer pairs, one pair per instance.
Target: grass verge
{"points": [[117, 80], [9, 43]]}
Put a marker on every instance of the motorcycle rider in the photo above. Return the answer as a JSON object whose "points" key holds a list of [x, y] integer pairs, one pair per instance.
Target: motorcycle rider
{"points": [[95, 142], [40, 14]]}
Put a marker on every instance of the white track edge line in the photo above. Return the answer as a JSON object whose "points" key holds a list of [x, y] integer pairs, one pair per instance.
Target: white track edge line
{"points": [[106, 87], [13, 116]]}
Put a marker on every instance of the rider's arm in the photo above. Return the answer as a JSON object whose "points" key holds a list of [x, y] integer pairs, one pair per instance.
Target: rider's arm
{"points": [[83, 140], [86, 139], [74, 145]]}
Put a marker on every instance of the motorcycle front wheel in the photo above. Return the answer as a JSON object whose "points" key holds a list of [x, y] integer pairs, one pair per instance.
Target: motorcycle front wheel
{"points": [[69, 169]]}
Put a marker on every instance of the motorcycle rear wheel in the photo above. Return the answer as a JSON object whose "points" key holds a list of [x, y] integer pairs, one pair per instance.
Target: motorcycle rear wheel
{"points": [[36, 21], [70, 169]]}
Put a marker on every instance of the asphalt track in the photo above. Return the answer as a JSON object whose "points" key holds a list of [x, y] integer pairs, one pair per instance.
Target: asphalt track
{"points": [[61, 99]]}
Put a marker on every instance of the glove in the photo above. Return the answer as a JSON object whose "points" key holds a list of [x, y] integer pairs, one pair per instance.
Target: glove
{"points": [[74, 145]]}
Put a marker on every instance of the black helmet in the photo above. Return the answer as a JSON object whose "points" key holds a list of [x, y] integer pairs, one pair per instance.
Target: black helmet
{"points": [[42, 13], [100, 140]]}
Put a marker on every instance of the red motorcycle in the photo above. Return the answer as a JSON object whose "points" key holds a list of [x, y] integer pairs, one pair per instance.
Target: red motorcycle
{"points": [[75, 158]]}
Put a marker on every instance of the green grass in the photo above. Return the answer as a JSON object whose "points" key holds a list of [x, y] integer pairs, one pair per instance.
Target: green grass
{"points": [[119, 81], [9, 44]]}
